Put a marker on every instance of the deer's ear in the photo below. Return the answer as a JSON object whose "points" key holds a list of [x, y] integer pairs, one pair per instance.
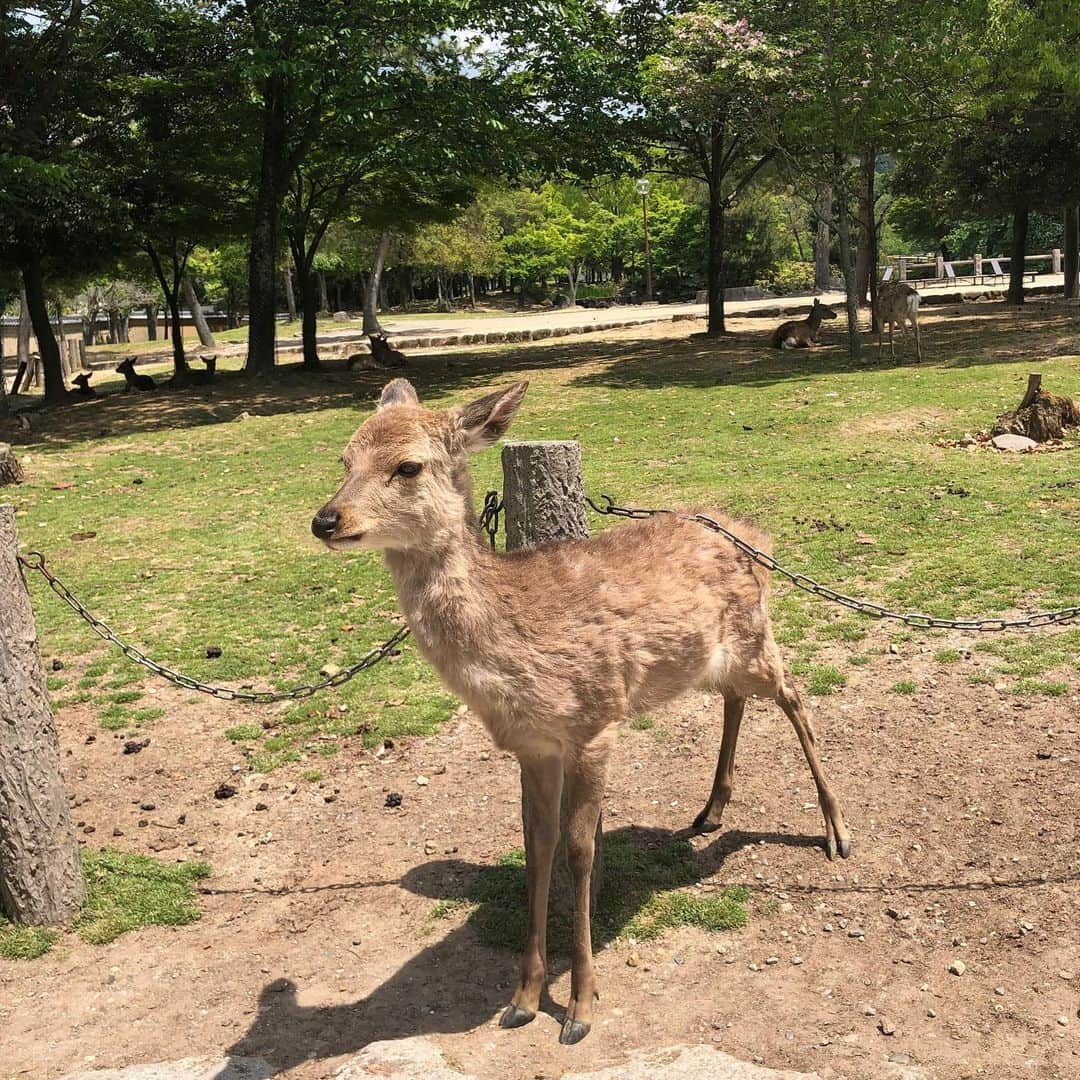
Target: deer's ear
{"points": [[398, 392], [486, 420]]}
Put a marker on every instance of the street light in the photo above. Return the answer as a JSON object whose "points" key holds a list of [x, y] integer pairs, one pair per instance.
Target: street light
{"points": [[643, 188]]}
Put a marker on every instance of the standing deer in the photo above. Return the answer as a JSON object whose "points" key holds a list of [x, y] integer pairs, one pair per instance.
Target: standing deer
{"points": [[802, 333], [898, 302], [554, 647]]}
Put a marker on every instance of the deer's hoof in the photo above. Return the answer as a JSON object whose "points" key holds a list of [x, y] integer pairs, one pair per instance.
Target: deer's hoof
{"points": [[573, 1031], [830, 849], [845, 848], [515, 1016], [702, 824]]}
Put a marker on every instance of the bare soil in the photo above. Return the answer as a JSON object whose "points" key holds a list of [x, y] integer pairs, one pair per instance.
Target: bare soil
{"points": [[316, 937]]}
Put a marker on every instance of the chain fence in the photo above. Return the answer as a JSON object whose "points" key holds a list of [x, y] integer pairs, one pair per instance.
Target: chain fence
{"points": [[489, 523]]}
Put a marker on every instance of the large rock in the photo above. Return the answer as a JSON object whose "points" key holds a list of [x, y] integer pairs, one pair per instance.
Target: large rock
{"points": [[399, 1059], [1013, 442], [688, 1063], [204, 1068]]}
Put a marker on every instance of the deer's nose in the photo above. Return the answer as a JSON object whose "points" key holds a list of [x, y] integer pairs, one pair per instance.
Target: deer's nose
{"points": [[324, 524]]}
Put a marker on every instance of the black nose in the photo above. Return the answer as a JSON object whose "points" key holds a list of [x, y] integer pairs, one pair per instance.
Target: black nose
{"points": [[325, 523]]}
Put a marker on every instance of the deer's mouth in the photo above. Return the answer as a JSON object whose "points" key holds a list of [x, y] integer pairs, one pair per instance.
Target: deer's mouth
{"points": [[343, 543]]}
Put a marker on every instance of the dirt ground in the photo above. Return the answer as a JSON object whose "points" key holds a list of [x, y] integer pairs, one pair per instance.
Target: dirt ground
{"points": [[316, 938]]}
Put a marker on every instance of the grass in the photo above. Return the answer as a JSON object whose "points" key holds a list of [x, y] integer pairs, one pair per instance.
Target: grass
{"points": [[123, 892], [904, 687], [212, 546], [643, 895], [642, 723]]}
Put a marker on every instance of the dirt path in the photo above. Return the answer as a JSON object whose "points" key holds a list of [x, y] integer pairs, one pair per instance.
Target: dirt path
{"points": [[316, 938]]}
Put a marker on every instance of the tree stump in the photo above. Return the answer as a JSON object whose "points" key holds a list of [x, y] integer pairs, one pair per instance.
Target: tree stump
{"points": [[1041, 416], [544, 500], [10, 469], [41, 881]]}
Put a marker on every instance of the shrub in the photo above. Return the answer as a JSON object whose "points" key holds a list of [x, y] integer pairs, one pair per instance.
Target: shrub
{"points": [[790, 276]]}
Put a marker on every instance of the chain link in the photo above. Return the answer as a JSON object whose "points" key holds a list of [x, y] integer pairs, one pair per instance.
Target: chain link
{"points": [[815, 588], [34, 560], [489, 516]]}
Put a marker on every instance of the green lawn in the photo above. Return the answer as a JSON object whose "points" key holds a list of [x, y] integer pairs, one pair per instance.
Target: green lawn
{"points": [[201, 520]]}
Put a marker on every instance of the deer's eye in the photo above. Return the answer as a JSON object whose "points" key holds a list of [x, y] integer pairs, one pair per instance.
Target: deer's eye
{"points": [[408, 469]]}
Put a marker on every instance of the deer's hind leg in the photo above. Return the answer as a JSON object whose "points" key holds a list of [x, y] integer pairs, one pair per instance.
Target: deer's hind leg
{"points": [[837, 837], [709, 818]]}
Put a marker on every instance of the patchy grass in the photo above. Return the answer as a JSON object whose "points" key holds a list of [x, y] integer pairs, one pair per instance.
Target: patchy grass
{"points": [[904, 686], [123, 892], [642, 723], [662, 419], [642, 897], [947, 656]]}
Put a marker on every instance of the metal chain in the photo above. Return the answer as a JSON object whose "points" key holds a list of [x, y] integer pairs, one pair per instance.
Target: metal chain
{"points": [[864, 607], [489, 516], [36, 561]]}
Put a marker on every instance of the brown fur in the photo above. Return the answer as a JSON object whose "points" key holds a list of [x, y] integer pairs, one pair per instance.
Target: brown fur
{"points": [[552, 648], [132, 378], [802, 333], [898, 303]]}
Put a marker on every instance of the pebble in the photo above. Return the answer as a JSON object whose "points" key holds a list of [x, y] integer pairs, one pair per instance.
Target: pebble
{"points": [[1063, 1020], [422, 781], [633, 960], [886, 1027], [328, 671], [999, 990], [393, 800], [869, 1010], [856, 933], [796, 960], [957, 967], [147, 806], [931, 1013], [770, 960], [261, 806]]}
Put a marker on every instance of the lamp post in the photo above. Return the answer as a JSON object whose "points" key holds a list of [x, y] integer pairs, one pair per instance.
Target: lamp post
{"points": [[643, 188]]}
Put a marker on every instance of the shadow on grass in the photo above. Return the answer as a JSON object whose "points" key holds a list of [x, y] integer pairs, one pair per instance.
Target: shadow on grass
{"points": [[962, 336]]}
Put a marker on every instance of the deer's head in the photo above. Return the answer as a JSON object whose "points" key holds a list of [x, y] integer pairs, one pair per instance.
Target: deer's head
{"points": [[822, 311], [406, 474]]}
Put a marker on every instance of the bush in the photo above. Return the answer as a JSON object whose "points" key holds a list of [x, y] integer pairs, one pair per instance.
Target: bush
{"points": [[790, 276], [592, 292]]}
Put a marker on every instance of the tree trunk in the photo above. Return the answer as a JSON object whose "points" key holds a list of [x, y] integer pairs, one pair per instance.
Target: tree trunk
{"points": [[823, 239], [324, 300], [1072, 252], [371, 288], [262, 255], [843, 228], [572, 273], [10, 470], [171, 292], [715, 278], [1016, 260], [151, 322], [309, 330], [41, 881], [48, 350], [864, 257], [290, 296], [22, 346], [202, 327]]}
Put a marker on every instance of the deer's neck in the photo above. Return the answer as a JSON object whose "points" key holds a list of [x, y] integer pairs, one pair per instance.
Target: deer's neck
{"points": [[441, 589]]}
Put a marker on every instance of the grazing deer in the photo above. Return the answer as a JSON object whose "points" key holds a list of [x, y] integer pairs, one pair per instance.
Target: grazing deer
{"points": [[554, 647], [132, 378], [82, 384], [898, 302], [802, 333]]}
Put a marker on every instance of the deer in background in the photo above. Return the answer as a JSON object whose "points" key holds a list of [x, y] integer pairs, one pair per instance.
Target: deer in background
{"points": [[898, 302], [554, 647], [802, 333], [132, 379]]}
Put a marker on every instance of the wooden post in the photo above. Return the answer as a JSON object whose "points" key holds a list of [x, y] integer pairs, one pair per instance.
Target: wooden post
{"points": [[1055, 261], [1033, 386], [41, 881], [939, 266], [544, 499], [977, 268], [903, 268]]}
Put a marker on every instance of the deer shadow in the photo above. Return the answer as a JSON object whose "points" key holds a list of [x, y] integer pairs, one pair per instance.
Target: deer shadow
{"points": [[464, 979]]}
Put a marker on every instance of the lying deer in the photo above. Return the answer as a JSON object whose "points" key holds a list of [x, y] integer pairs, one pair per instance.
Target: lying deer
{"points": [[132, 378], [82, 384], [802, 333], [898, 302], [553, 648], [384, 354]]}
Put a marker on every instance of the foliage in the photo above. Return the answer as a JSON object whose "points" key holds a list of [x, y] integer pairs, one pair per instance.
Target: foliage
{"points": [[789, 277]]}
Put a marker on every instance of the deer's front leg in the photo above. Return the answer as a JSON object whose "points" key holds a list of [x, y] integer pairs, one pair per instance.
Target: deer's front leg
{"points": [[586, 776], [541, 792]]}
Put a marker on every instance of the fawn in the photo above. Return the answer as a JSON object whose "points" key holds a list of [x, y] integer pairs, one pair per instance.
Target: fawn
{"points": [[898, 302], [132, 378], [802, 333], [82, 384], [554, 647]]}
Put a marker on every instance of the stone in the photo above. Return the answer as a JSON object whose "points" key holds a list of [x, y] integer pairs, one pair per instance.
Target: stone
{"points": [[205, 1068], [687, 1063], [341, 316], [1014, 443], [957, 967]]}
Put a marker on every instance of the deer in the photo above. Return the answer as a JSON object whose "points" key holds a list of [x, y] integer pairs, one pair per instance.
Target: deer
{"points": [[554, 647], [133, 380], [82, 384], [898, 302], [802, 333]]}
